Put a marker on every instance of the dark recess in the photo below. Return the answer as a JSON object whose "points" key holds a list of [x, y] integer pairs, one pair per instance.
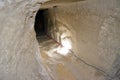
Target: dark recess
{"points": [[39, 26]]}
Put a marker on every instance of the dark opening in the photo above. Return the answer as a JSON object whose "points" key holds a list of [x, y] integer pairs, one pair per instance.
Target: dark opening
{"points": [[40, 23]]}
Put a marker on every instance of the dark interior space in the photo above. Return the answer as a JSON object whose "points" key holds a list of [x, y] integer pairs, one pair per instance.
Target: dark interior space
{"points": [[40, 23]]}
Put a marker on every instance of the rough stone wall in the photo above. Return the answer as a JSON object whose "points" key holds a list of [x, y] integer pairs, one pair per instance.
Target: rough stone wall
{"points": [[95, 29], [19, 52], [57, 29], [92, 26]]}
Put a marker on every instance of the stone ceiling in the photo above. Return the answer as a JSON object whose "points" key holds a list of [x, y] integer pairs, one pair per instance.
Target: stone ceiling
{"points": [[53, 3]]}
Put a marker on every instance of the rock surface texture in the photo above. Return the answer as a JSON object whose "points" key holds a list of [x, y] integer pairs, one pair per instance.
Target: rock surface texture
{"points": [[19, 59], [91, 27]]}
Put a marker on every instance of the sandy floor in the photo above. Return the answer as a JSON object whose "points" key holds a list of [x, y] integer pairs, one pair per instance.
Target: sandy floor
{"points": [[62, 67]]}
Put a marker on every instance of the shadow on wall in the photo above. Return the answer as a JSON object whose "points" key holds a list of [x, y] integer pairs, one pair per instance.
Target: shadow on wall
{"points": [[115, 70], [56, 29]]}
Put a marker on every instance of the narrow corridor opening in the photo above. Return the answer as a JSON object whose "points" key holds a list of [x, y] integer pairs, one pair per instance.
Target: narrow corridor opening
{"points": [[40, 22], [52, 33]]}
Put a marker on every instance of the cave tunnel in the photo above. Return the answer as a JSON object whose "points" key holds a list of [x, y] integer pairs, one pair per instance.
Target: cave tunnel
{"points": [[45, 25], [89, 31], [40, 22]]}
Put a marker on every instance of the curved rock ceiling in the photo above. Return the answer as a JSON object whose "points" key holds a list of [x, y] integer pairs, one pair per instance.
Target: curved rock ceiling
{"points": [[93, 27]]}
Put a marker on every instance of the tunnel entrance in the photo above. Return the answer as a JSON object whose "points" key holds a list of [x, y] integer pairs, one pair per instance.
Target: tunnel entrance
{"points": [[52, 34], [40, 22]]}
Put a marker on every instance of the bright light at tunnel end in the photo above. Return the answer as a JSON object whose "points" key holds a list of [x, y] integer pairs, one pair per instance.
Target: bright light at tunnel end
{"points": [[65, 49]]}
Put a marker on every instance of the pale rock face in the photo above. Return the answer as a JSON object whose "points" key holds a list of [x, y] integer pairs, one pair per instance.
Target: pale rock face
{"points": [[19, 59], [92, 27]]}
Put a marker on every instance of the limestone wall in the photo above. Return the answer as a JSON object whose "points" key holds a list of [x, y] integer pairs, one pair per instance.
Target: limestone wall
{"points": [[94, 28], [19, 51]]}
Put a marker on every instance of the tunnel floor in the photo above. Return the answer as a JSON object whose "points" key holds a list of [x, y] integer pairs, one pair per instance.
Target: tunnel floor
{"points": [[55, 63], [60, 67]]}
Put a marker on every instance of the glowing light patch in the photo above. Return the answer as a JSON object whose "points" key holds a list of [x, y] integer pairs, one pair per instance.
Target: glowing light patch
{"points": [[66, 46], [66, 43], [63, 51]]}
